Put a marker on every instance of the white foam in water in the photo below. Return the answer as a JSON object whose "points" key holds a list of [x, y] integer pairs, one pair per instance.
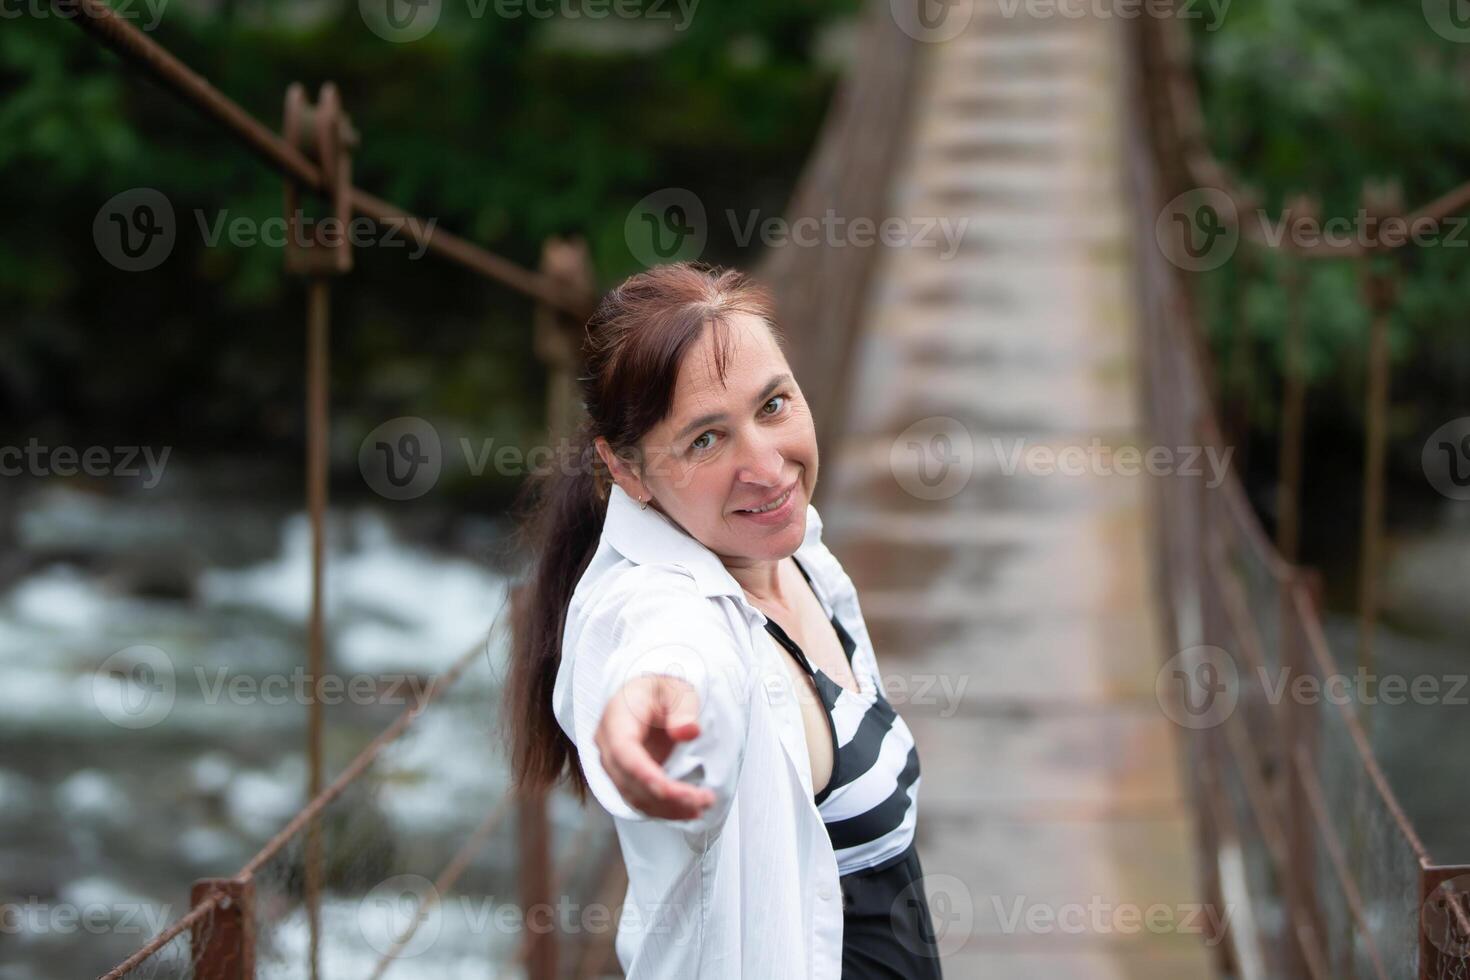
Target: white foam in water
{"points": [[260, 803], [395, 612], [209, 847], [390, 607], [92, 796], [460, 939], [60, 598], [17, 797], [446, 754], [212, 772]]}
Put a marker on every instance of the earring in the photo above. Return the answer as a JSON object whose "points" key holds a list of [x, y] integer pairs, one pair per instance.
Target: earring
{"points": [[644, 501]]}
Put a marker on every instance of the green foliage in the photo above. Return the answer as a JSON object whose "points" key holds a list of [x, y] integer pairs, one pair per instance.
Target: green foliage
{"points": [[1318, 96], [503, 129]]}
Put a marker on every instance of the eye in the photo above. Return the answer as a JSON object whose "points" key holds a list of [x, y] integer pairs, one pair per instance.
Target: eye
{"points": [[696, 444], [775, 398]]}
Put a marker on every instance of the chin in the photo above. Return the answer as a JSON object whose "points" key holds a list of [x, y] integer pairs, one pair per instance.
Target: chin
{"points": [[787, 539]]}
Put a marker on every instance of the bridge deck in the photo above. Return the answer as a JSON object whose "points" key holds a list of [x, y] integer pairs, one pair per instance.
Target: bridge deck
{"points": [[1015, 608]]}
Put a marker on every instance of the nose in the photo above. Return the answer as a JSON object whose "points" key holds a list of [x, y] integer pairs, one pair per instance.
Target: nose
{"points": [[762, 463]]}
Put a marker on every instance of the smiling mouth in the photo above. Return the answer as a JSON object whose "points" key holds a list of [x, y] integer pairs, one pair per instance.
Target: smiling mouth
{"points": [[772, 505]]}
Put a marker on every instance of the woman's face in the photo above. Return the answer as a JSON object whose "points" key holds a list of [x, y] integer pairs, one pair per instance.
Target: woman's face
{"points": [[727, 449]]}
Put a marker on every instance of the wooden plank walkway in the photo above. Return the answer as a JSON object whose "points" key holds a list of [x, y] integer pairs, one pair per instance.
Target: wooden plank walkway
{"points": [[1010, 605]]}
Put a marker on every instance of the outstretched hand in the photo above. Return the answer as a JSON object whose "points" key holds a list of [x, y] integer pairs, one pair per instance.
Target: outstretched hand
{"points": [[639, 729]]}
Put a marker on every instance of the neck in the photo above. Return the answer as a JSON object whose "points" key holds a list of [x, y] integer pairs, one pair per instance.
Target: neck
{"points": [[761, 579]]}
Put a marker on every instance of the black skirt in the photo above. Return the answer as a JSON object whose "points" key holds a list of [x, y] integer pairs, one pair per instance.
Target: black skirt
{"points": [[887, 932]]}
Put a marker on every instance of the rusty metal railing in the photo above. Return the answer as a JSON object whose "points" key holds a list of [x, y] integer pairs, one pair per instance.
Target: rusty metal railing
{"points": [[819, 293], [1298, 827], [222, 928]]}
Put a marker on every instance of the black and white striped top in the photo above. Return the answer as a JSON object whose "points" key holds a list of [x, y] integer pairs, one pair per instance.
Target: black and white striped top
{"points": [[870, 803]]}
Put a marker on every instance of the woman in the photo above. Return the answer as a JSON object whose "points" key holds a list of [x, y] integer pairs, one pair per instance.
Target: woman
{"points": [[691, 651]]}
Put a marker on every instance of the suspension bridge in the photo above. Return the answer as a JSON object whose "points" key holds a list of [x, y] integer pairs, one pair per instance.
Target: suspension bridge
{"points": [[1088, 809]]}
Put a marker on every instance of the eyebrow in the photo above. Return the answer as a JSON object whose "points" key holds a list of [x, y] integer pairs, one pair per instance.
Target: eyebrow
{"points": [[714, 417]]}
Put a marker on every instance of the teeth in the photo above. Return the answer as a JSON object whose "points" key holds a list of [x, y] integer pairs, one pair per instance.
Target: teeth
{"points": [[772, 505]]}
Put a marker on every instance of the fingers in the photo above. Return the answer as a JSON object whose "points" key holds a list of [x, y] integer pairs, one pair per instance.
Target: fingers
{"points": [[649, 789], [637, 731], [678, 709]]}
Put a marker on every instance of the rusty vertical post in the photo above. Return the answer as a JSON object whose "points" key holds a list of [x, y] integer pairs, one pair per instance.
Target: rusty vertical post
{"points": [[1378, 294], [1293, 392], [324, 133], [1237, 387], [1209, 741], [318, 296], [555, 337], [1299, 732], [538, 921], [1300, 884], [222, 944]]}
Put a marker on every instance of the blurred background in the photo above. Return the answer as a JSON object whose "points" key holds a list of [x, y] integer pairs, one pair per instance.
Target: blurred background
{"points": [[188, 541]]}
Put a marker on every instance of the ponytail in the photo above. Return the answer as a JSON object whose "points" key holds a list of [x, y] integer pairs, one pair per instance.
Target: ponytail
{"points": [[564, 510]]}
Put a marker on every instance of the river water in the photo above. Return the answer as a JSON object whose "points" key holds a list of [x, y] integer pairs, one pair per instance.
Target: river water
{"points": [[110, 806], [150, 647]]}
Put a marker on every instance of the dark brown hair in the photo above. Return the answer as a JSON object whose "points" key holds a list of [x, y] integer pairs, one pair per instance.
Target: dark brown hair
{"points": [[635, 343]]}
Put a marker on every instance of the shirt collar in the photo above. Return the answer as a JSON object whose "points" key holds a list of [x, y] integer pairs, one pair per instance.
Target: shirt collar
{"points": [[646, 536]]}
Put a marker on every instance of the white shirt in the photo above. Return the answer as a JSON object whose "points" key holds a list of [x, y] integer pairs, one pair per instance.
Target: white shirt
{"points": [[750, 887]]}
